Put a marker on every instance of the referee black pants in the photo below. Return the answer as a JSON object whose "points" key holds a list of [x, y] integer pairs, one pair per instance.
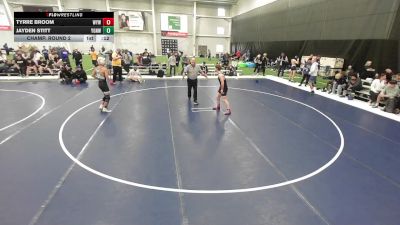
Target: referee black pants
{"points": [[192, 84], [172, 68], [117, 70]]}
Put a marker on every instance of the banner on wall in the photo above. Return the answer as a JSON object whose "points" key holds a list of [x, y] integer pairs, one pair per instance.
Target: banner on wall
{"points": [[129, 20], [173, 34], [174, 25], [4, 22]]}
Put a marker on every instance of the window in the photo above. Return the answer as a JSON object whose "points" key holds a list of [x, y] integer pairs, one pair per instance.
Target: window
{"points": [[220, 30], [219, 48], [221, 12]]}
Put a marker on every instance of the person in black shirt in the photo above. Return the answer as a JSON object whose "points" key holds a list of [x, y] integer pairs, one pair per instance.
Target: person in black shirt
{"points": [[367, 71], [354, 84], [6, 48], [282, 61], [21, 65], [65, 74], [79, 76], [77, 55], [178, 59], [204, 68], [264, 62], [225, 60]]}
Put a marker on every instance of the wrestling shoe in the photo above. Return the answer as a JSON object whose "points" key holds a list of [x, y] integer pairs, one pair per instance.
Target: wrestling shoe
{"points": [[106, 110]]}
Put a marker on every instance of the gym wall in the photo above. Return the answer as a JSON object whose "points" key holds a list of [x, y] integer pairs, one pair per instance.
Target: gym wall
{"points": [[355, 30], [138, 40]]}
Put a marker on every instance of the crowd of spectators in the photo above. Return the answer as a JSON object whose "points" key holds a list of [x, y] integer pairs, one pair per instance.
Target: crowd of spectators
{"points": [[383, 86]]}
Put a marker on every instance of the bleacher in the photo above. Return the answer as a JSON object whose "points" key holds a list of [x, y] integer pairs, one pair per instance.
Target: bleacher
{"points": [[32, 74], [145, 70], [364, 93]]}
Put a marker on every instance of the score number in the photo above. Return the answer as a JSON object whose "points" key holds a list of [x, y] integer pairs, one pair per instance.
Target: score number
{"points": [[108, 25], [108, 21]]}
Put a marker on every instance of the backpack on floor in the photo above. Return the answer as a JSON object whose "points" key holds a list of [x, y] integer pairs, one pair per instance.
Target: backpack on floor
{"points": [[390, 105], [160, 73]]}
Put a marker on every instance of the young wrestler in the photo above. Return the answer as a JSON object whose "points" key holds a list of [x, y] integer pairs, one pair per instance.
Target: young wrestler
{"points": [[222, 91], [100, 72]]}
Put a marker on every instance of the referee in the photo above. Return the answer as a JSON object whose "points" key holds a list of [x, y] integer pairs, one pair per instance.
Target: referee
{"points": [[192, 71]]}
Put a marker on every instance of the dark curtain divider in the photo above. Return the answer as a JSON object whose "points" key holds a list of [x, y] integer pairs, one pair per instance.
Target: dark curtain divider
{"points": [[356, 30]]}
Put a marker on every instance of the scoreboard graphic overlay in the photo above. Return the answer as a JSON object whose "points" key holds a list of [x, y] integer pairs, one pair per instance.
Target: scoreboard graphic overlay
{"points": [[63, 26]]}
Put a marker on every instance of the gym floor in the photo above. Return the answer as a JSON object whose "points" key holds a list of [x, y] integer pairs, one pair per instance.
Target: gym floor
{"points": [[284, 156]]}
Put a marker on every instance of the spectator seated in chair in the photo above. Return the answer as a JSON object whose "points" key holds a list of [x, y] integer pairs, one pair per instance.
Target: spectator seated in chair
{"points": [[397, 107], [134, 75], [389, 74], [204, 68], [232, 71], [12, 67], [44, 67], [329, 84], [354, 84], [367, 71], [377, 86], [389, 94], [31, 66], [339, 83]]}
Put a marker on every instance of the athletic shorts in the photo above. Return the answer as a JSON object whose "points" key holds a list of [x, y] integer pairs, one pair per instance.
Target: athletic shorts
{"points": [[293, 68], [103, 86], [313, 79], [225, 91]]}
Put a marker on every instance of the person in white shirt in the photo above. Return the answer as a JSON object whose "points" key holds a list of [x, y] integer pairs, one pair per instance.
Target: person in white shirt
{"points": [[134, 75], [172, 64], [376, 87], [36, 57], [313, 74]]}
